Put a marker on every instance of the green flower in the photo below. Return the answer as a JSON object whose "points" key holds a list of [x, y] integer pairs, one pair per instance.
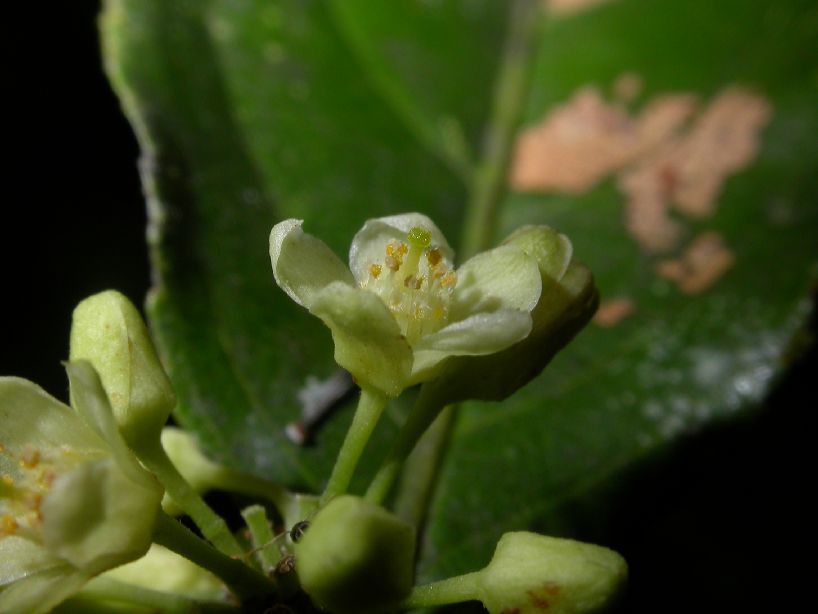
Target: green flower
{"points": [[401, 309], [74, 501]]}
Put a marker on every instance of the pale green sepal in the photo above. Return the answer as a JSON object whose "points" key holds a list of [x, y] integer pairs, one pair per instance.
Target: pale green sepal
{"points": [[369, 243], [108, 331], [502, 278], [20, 557], [483, 333], [368, 341], [551, 249], [531, 573], [356, 558], [95, 518], [29, 416], [43, 591], [164, 570], [302, 264], [91, 402]]}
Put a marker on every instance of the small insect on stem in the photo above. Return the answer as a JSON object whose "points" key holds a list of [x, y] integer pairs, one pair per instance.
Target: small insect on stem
{"points": [[297, 532]]}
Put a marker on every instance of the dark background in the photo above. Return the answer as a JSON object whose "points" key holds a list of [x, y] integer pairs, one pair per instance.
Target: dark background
{"points": [[723, 523]]}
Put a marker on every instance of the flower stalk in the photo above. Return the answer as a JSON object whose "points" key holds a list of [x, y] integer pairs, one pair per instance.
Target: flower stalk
{"points": [[370, 408]]}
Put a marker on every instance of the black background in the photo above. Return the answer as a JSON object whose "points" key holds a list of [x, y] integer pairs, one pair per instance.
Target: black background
{"points": [[723, 523]]}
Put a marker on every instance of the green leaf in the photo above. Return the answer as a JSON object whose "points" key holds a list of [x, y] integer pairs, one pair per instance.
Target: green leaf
{"points": [[252, 111]]}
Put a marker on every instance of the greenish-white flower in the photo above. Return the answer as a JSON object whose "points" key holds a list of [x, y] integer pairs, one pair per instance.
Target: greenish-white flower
{"points": [[401, 309], [74, 501]]}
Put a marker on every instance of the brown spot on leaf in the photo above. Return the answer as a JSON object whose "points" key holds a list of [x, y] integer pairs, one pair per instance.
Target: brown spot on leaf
{"points": [[688, 171], [613, 311], [704, 261], [584, 140]]}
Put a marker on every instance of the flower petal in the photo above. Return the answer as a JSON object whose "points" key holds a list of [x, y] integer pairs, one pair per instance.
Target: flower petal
{"points": [[368, 341], [302, 264], [29, 416], [97, 518], [369, 243], [91, 402], [551, 250], [502, 278], [43, 591], [482, 333], [20, 557]]}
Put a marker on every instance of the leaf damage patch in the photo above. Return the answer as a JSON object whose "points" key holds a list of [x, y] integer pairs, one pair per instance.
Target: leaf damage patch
{"points": [[673, 156], [704, 261]]}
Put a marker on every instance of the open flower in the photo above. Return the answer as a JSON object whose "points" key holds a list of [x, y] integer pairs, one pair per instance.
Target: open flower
{"points": [[74, 501], [401, 309]]}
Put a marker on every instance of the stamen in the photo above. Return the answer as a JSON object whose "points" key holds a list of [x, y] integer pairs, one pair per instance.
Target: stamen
{"points": [[392, 263], [30, 458], [375, 270], [412, 282], [8, 526], [433, 256], [448, 279]]}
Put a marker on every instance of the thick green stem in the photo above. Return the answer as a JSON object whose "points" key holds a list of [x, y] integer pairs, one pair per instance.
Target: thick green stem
{"points": [[243, 580], [262, 536], [510, 92], [370, 408], [452, 590], [212, 526], [426, 409]]}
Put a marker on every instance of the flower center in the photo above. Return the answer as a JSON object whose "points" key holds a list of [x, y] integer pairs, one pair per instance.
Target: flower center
{"points": [[416, 282], [24, 480]]}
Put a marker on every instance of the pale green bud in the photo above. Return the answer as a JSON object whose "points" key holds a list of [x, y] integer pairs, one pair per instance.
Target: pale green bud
{"points": [[356, 557], [532, 573], [568, 300], [108, 331]]}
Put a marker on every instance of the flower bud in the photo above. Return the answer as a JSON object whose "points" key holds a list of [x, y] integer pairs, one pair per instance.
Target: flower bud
{"points": [[531, 573], [568, 300], [108, 331], [355, 557]]}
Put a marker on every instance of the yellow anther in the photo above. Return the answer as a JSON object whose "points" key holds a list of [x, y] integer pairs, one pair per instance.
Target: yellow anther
{"points": [[448, 279], [390, 249], [8, 526], [433, 256], [402, 249], [375, 270], [392, 263], [30, 458]]}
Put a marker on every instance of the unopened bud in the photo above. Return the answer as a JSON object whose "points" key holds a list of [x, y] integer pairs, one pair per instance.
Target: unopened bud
{"points": [[531, 573], [108, 331], [355, 557]]}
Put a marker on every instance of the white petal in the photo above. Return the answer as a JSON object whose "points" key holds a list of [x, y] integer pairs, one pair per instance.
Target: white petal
{"points": [[302, 264], [482, 333], [501, 278], [29, 416], [368, 341], [369, 244]]}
